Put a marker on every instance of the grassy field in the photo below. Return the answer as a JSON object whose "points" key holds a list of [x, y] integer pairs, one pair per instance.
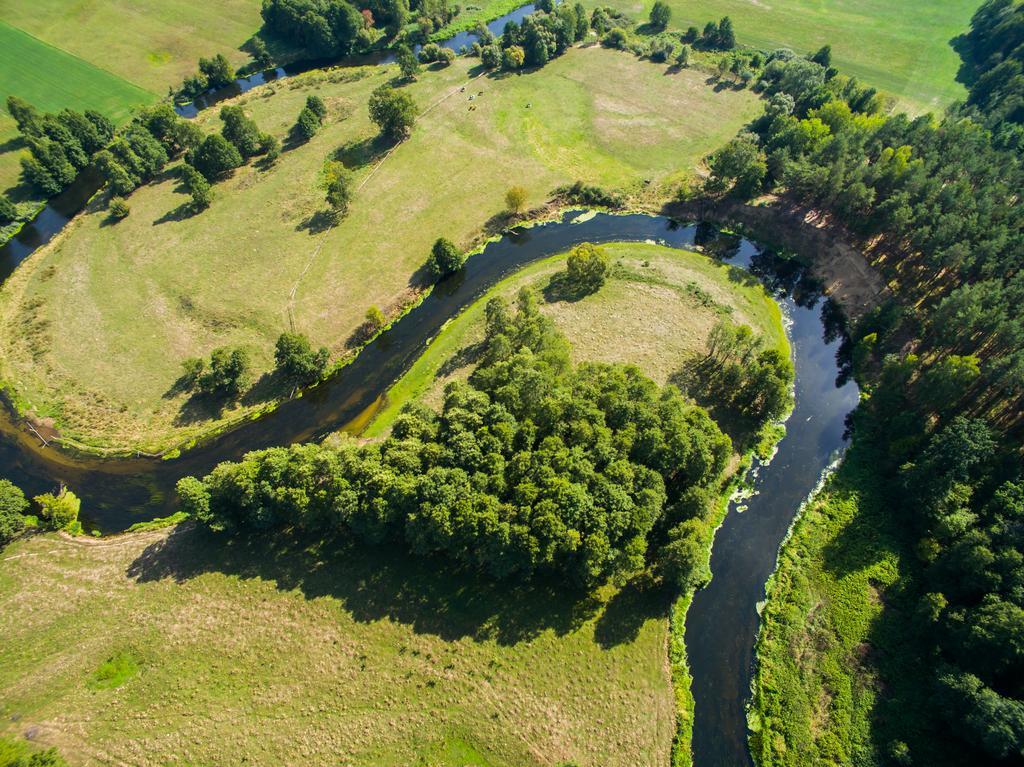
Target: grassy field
{"points": [[817, 685], [902, 48], [102, 317], [157, 649], [151, 43], [657, 307], [52, 79]]}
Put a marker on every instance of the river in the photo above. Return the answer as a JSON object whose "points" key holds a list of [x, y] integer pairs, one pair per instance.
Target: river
{"points": [[723, 619]]}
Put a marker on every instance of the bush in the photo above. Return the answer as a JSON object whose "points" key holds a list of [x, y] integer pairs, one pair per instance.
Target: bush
{"points": [[661, 13], [444, 258], [59, 511], [585, 194], [615, 38], [119, 208], [13, 506], [375, 319], [8, 212], [586, 268], [515, 199]]}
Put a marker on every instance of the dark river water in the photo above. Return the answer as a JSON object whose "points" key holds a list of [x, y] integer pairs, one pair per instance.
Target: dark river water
{"points": [[723, 619]]}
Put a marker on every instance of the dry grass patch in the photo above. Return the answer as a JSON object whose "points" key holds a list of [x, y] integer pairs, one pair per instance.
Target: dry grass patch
{"points": [[226, 653]]}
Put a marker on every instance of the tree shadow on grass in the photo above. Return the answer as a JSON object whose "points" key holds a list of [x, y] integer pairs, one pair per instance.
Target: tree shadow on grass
{"points": [[317, 222], [464, 357], [629, 609], [385, 582], [561, 288], [183, 212], [356, 154]]}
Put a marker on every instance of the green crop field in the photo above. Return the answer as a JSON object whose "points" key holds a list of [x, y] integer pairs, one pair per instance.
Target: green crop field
{"points": [[900, 47], [52, 79], [658, 306], [151, 43], [155, 649], [104, 316]]}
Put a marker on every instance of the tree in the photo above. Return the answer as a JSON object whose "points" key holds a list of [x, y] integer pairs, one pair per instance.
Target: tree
{"points": [[393, 111], [216, 157], [307, 125], [119, 208], [218, 71], [823, 56], [726, 38], [226, 376], [444, 258], [298, 362], [241, 130], [515, 199], [8, 211], [683, 57], [742, 163], [408, 64], [512, 58], [121, 182], [260, 55], [13, 506], [375, 319], [338, 186], [27, 118], [198, 187], [316, 105], [59, 511], [586, 268], [490, 56], [661, 13]]}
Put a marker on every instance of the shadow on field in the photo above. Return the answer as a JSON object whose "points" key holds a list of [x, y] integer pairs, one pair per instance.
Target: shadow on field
{"points": [[385, 582]]}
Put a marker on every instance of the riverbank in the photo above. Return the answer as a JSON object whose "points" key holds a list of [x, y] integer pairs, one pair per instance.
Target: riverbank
{"points": [[100, 339], [656, 310]]}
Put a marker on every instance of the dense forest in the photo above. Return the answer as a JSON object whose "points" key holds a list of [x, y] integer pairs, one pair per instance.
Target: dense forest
{"points": [[936, 204], [532, 466]]}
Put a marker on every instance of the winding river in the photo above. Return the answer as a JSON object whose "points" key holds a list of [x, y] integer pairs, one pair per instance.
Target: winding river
{"points": [[722, 621]]}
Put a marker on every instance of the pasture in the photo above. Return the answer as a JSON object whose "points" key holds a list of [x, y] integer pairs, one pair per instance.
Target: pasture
{"points": [[101, 318], [901, 48], [52, 79], [180, 648]]}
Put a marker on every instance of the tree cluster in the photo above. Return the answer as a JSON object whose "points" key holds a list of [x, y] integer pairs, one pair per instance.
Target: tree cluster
{"points": [[322, 27], [215, 72], [223, 378], [531, 466], [59, 144], [541, 37], [993, 69]]}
